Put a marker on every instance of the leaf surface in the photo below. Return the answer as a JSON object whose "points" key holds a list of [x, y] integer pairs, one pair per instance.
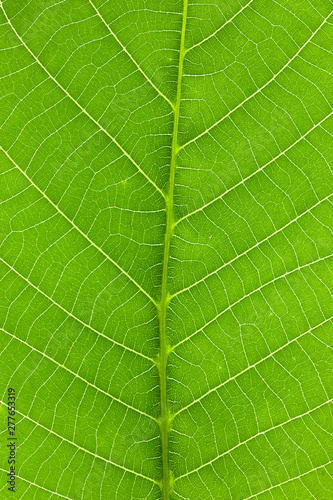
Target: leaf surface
{"points": [[166, 248]]}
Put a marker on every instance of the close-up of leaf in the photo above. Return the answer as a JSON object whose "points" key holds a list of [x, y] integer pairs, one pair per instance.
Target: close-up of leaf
{"points": [[166, 249]]}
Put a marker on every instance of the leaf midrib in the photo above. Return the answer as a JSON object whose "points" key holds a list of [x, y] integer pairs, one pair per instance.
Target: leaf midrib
{"points": [[165, 419]]}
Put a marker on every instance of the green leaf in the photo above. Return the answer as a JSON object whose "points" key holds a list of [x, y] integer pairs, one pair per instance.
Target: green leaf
{"points": [[166, 248]]}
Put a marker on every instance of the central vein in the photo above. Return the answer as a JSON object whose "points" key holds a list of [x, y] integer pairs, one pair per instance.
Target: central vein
{"points": [[164, 347]]}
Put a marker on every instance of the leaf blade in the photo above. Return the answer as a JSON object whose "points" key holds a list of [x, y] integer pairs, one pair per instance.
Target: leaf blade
{"points": [[214, 299]]}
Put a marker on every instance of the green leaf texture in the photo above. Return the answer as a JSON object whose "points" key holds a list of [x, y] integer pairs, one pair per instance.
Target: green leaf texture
{"points": [[166, 248]]}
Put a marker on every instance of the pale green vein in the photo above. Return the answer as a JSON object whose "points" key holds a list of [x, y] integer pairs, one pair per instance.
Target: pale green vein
{"points": [[258, 90], [262, 433], [167, 482], [73, 316], [254, 365], [76, 375], [220, 28], [78, 229], [131, 57], [114, 140], [282, 153], [289, 480], [39, 486], [292, 221], [299, 268], [84, 450]]}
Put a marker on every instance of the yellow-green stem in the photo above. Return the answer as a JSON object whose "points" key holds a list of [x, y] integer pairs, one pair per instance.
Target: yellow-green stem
{"points": [[164, 348]]}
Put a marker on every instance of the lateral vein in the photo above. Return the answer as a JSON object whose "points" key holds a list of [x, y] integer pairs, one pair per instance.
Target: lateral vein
{"points": [[73, 316], [78, 229], [131, 57], [254, 365], [229, 308], [290, 480], [39, 486], [76, 375], [257, 91], [260, 169], [257, 245], [83, 449], [262, 433], [221, 27], [114, 140]]}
